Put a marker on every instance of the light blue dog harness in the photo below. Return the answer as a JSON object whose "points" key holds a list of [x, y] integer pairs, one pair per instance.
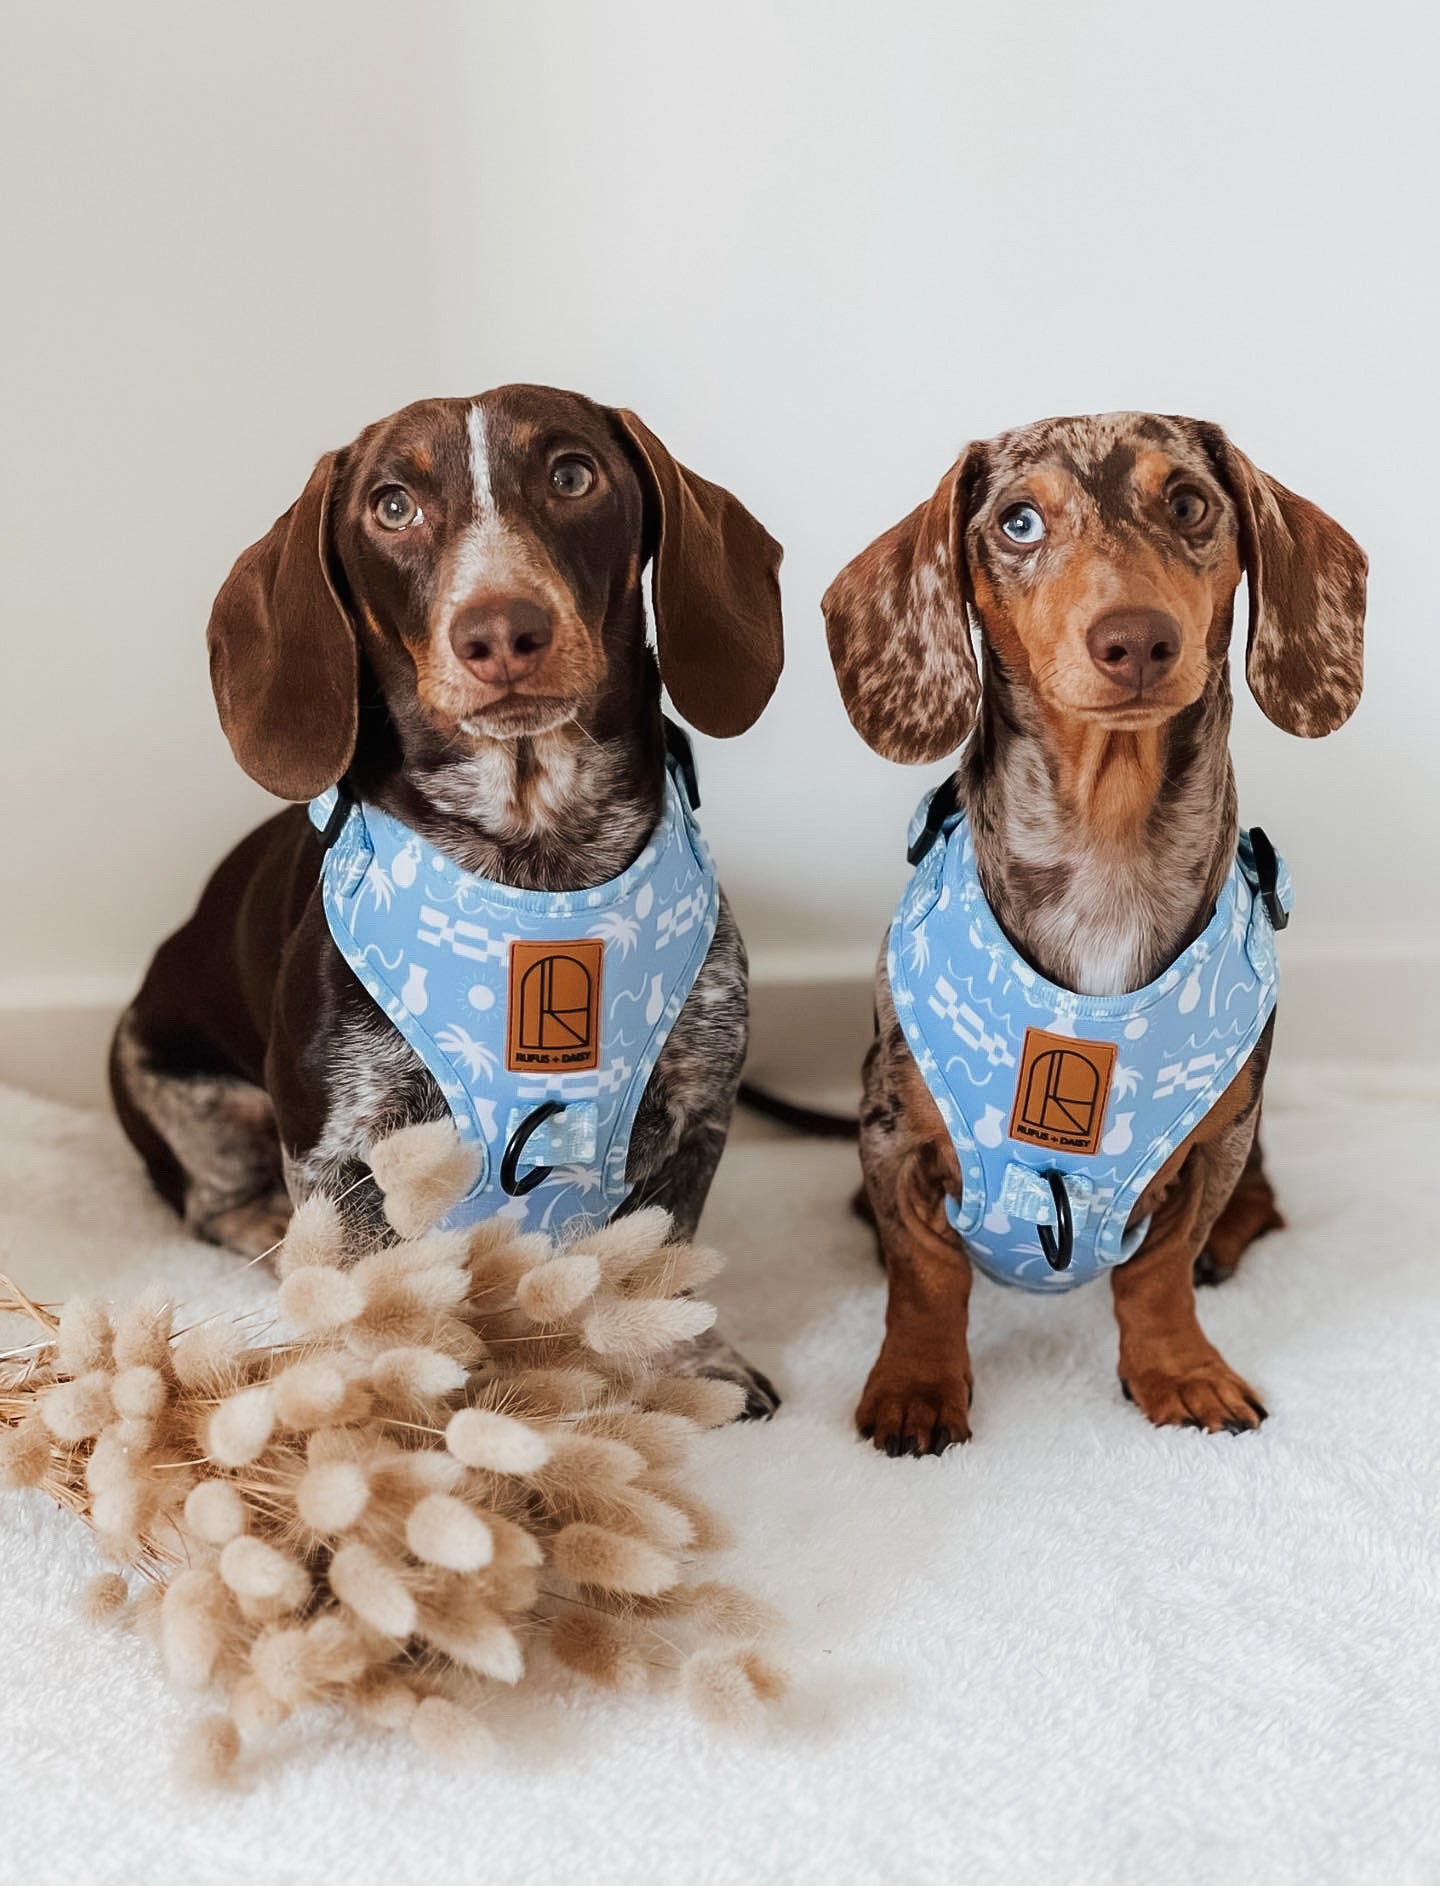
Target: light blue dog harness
{"points": [[541, 1015], [1062, 1107]]}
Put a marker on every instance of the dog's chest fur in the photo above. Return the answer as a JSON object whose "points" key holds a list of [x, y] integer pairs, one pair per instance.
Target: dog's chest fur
{"points": [[1102, 912]]}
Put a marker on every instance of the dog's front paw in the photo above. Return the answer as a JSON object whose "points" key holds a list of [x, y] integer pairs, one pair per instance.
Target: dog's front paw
{"points": [[1209, 1395], [905, 1416], [711, 1355]]}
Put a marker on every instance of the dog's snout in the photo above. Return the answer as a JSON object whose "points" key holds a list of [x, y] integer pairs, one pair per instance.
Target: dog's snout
{"points": [[502, 639], [1134, 647]]}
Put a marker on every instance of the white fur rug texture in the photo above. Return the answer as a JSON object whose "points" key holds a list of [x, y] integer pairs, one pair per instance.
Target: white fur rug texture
{"points": [[1078, 1649]]}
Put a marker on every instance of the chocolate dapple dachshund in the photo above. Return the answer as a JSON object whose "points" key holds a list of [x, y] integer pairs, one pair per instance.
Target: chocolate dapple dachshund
{"points": [[449, 620], [1089, 842]]}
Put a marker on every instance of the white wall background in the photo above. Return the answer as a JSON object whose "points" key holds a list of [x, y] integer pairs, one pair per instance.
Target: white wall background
{"points": [[817, 245]]}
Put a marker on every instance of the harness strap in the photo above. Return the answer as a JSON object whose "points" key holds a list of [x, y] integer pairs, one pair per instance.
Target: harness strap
{"points": [[339, 812], [681, 754], [943, 806]]}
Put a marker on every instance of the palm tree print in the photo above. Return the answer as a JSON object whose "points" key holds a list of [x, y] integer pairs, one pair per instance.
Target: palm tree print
{"points": [[615, 927], [478, 1061], [377, 882]]}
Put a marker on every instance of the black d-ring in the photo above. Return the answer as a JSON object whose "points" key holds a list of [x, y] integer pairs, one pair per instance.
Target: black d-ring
{"points": [[1058, 1253], [519, 1140]]}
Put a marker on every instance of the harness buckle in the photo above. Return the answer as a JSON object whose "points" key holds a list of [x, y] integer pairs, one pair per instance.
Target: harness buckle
{"points": [[944, 804], [681, 754], [339, 812], [1267, 878]]}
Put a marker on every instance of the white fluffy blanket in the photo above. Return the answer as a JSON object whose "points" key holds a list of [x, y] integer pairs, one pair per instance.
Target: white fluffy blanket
{"points": [[1076, 1650]]}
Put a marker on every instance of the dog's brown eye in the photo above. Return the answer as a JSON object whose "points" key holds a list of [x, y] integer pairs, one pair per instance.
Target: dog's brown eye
{"points": [[572, 477], [1188, 506], [395, 509]]}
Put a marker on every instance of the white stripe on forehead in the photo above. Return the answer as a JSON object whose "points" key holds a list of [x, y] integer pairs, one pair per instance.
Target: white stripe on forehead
{"points": [[479, 460]]}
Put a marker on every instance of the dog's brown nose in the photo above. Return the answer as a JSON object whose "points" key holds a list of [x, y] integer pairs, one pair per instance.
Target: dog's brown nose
{"points": [[501, 638], [1134, 648]]}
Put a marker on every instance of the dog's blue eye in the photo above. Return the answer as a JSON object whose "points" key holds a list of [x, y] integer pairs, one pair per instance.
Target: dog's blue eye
{"points": [[1023, 524]]}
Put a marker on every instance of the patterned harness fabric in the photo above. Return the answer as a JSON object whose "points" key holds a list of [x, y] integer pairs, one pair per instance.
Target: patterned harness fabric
{"points": [[515, 999], [1031, 1079]]}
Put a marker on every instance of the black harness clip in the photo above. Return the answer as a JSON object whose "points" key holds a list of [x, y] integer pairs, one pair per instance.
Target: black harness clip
{"points": [[944, 804], [1267, 878]]}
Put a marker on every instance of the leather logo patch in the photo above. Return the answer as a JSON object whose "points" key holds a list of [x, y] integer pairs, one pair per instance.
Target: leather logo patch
{"points": [[554, 1014], [1061, 1092]]}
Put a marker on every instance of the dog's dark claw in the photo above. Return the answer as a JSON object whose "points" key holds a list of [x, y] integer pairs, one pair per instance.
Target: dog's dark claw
{"points": [[1125, 1391], [892, 1446], [762, 1398], [939, 1440], [1208, 1273]]}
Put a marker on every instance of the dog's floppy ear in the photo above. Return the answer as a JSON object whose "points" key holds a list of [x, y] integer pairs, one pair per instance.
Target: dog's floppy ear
{"points": [[283, 655], [716, 590], [898, 625], [1304, 661]]}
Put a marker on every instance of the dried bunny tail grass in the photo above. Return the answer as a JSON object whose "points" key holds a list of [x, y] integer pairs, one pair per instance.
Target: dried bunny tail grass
{"points": [[253, 1569], [554, 1291], [142, 1332], [320, 1298], [632, 1329], [545, 1392], [728, 1688], [727, 1611], [309, 1393], [332, 1494], [76, 1411], [194, 1614], [658, 1521], [479, 1640], [215, 1512], [627, 1241], [239, 1428], [385, 1700], [497, 1261], [315, 1239], [140, 1392], [206, 1359], [663, 1439], [83, 1339], [254, 1709], [423, 1170], [442, 1530], [414, 1374], [479, 1437], [593, 1555], [374, 1589], [300, 1664], [208, 1754], [580, 1462], [604, 1648], [448, 1732], [704, 1399], [708, 1531], [104, 1599], [26, 1452], [673, 1269]]}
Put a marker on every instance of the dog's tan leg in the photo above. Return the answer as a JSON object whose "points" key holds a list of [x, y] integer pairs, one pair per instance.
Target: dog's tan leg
{"points": [[917, 1400], [1249, 1212], [1168, 1366]]}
